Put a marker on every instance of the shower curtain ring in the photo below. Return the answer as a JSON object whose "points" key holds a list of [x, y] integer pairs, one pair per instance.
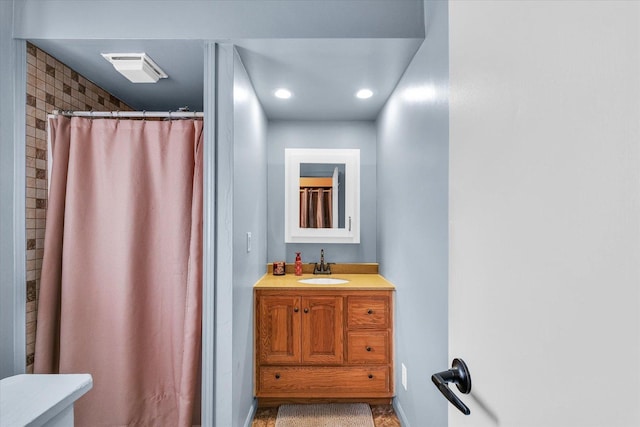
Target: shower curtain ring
{"points": [[144, 118]]}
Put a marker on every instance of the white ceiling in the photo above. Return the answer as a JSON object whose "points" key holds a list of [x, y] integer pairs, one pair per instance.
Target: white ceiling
{"points": [[323, 74], [183, 60]]}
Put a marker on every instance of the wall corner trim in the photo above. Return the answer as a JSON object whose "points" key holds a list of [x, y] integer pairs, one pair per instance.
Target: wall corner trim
{"points": [[208, 236]]}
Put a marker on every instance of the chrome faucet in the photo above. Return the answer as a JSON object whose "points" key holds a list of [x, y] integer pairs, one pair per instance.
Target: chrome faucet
{"points": [[322, 268]]}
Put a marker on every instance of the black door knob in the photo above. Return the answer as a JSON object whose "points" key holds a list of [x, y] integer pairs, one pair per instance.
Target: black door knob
{"points": [[459, 375]]}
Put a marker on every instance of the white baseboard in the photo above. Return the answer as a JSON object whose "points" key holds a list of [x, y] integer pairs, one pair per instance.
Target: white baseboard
{"points": [[400, 413], [252, 413]]}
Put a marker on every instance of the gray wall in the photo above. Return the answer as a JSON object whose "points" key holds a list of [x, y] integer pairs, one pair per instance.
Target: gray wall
{"points": [[67, 19], [12, 197], [412, 225], [249, 215], [321, 134], [173, 20], [216, 19]]}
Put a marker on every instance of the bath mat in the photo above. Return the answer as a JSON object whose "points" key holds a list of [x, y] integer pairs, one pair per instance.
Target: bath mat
{"points": [[325, 415]]}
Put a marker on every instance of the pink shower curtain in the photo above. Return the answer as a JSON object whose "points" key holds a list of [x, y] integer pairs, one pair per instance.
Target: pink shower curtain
{"points": [[120, 293]]}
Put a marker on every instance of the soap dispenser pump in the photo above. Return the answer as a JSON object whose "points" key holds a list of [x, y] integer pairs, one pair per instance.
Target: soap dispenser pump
{"points": [[298, 264]]}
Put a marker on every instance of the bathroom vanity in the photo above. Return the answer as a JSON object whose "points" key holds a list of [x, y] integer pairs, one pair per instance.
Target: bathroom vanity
{"points": [[324, 342]]}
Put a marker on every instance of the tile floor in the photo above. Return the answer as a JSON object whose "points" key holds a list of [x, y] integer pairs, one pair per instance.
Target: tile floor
{"points": [[383, 416]]}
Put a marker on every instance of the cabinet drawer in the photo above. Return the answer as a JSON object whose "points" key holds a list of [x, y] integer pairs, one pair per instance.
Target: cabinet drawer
{"points": [[368, 312], [368, 347], [323, 381]]}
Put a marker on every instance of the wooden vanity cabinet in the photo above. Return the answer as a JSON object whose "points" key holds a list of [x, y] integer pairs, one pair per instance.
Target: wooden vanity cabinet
{"points": [[300, 329], [319, 345]]}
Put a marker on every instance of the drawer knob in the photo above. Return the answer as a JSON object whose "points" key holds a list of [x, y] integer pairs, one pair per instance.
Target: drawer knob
{"points": [[277, 376], [369, 311], [306, 310], [368, 348], [296, 309], [370, 376]]}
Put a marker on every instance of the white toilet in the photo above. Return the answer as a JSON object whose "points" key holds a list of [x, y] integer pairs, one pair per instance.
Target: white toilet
{"points": [[41, 400]]}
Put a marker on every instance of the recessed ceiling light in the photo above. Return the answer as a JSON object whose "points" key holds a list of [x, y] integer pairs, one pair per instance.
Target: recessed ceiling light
{"points": [[364, 93], [282, 93]]}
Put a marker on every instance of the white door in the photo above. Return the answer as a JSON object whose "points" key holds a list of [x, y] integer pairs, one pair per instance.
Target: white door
{"points": [[545, 211], [334, 199]]}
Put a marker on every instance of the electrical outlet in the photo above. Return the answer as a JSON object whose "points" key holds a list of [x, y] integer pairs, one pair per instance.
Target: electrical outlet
{"points": [[248, 241], [404, 376]]}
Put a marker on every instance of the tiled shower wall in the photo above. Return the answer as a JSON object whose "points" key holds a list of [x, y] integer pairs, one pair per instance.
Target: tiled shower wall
{"points": [[50, 85]]}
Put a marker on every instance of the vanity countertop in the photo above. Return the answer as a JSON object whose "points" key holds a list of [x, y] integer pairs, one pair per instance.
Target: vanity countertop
{"points": [[356, 282]]}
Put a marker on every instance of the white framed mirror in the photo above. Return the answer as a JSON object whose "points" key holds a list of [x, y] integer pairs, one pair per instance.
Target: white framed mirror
{"points": [[322, 195]]}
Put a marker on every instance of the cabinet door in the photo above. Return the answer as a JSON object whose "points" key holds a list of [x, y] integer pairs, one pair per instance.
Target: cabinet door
{"points": [[278, 329], [322, 330]]}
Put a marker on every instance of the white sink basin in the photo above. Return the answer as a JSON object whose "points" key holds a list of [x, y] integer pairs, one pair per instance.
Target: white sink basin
{"points": [[323, 281]]}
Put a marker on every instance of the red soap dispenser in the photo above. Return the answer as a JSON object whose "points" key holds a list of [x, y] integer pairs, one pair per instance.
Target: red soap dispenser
{"points": [[298, 264]]}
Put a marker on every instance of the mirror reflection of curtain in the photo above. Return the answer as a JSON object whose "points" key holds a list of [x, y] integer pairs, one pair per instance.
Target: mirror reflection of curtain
{"points": [[316, 209], [304, 208]]}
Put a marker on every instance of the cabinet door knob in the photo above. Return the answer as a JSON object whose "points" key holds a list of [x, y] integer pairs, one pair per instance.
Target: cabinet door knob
{"points": [[296, 309], [277, 376], [368, 348], [370, 376], [369, 311], [306, 310]]}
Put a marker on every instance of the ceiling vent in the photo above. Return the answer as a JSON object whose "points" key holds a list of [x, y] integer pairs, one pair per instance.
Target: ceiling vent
{"points": [[137, 67]]}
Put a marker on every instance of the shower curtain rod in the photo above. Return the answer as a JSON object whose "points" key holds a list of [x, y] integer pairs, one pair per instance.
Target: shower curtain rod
{"points": [[130, 114]]}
